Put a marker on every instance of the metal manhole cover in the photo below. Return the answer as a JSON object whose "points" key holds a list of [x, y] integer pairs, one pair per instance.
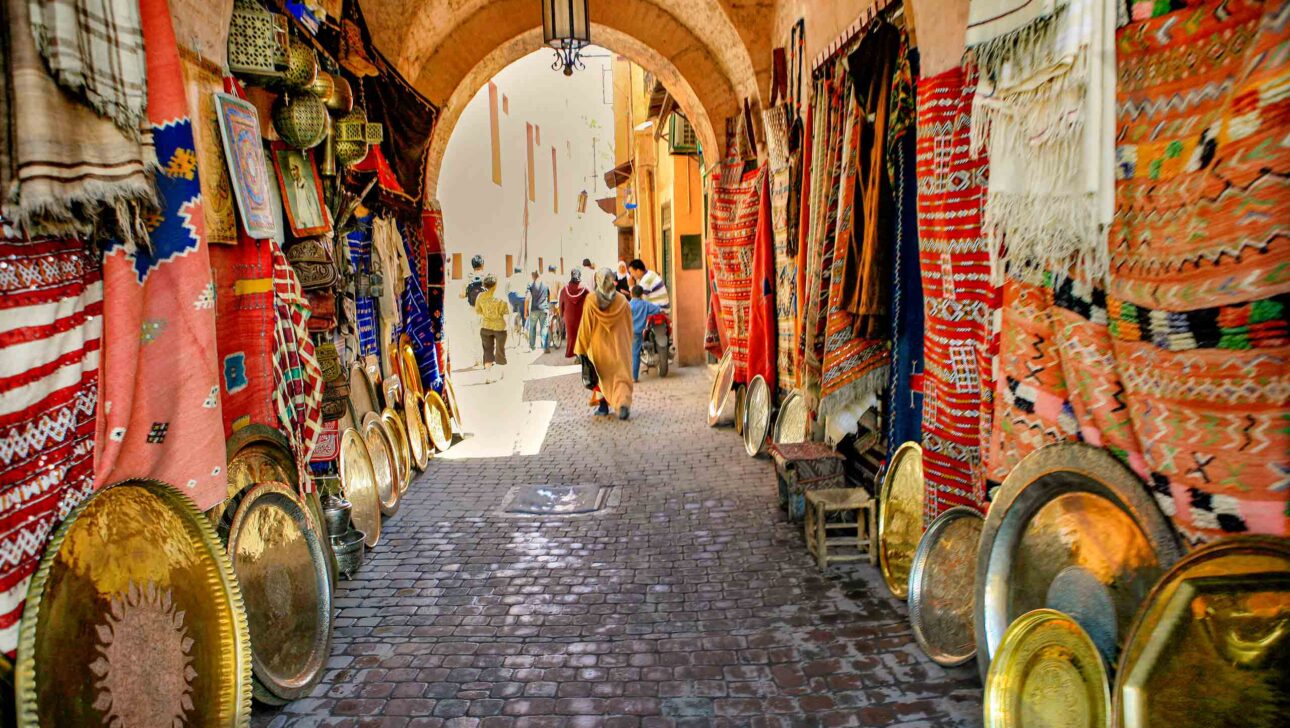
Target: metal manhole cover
{"points": [[558, 500]]}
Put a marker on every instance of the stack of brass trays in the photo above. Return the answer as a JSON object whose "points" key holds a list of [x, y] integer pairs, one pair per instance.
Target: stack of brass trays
{"points": [[399, 433], [381, 453], [358, 485]]}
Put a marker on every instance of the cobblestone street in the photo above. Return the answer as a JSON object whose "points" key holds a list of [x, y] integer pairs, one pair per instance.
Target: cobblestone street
{"points": [[689, 601]]}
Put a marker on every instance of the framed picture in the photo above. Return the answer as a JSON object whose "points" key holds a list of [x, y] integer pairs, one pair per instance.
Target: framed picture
{"points": [[302, 192], [239, 127]]}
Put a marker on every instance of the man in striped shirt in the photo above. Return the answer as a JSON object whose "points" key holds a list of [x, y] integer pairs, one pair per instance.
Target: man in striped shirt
{"points": [[655, 289]]}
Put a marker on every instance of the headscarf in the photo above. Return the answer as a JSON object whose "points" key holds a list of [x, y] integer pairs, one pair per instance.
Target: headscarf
{"points": [[606, 288], [575, 275], [622, 270]]}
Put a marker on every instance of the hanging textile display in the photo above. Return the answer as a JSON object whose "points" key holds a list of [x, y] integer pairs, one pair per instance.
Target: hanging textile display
{"points": [[904, 391], [734, 215], [1044, 110], [1196, 296], [244, 317], [959, 298], [762, 327], [51, 305], [779, 161], [418, 324], [77, 173], [359, 245], [159, 313], [297, 378]]}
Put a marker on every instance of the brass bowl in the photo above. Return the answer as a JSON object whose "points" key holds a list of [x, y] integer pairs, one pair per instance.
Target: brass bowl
{"points": [[134, 617], [438, 424], [402, 446], [941, 584], [278, 555], [334, 91], [358, 484], [1047, 672], [381, 452], [900, 517], [418, 437]]}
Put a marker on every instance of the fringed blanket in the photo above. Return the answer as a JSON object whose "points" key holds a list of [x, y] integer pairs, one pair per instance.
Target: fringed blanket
{"points": [[244, 320], [297, 379], [160, 414], [734, 228], [959, 299], [51, 306], [1199, 257], [785, 264]]}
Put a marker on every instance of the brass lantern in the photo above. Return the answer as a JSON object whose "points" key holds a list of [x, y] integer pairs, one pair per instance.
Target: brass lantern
{"points": [[567, 30], [354, 133], [257, 42], [300, 119]]}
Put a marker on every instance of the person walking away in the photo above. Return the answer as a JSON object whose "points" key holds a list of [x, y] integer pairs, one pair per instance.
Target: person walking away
{"points": [[471, 291], [623, 283], [572, 298], [492, 323], [588, 275], [605, 337], [641, 311], [652, 282], [515, 296], [539, 305]]}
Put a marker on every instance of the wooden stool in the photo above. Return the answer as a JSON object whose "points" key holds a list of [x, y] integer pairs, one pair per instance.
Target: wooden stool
{"points": [[819, 504], [802, 467]]}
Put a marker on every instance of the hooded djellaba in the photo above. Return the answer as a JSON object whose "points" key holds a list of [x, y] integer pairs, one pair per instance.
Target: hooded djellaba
{"points": [[605, 337], [573, 298]]}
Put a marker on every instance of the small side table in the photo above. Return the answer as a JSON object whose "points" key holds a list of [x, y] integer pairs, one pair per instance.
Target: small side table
{"points": [[802, 467], [819, 504]]}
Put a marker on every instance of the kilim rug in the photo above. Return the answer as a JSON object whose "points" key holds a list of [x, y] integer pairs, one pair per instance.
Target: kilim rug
{"points": [[904, 390], [959, 299], [160, 414], [1200, 254], [785, 265], [51, 306], [734, 226], [244, 319], [418, 325], [359, 243]]}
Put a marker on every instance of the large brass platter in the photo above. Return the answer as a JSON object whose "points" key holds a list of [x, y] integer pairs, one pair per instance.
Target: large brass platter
{"points": [[358, 485], [256, 454], [402, 472], [277, 554], [381, 453], [900, 517], [791, 422], [941, 587], [411, 371], [1074, 530], [1211, 646], [402, 447], [362, 393], [720, 398], [438, 424], [756, 416], [418, 438], [134, 618], [1048, 673]]}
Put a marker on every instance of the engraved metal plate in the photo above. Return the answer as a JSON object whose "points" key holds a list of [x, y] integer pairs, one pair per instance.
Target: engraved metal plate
{"points": [[277, 553], [1048, 672], [362, 393], [402, 448], [900, 517], [721, 403], [418, 438], [1070, 529], [256, 454], [358, 485], [381, 452], [134, 617], [792, 420], [438, 424], [411, 371], [941, 587], [1211, 645], [756, 416]]}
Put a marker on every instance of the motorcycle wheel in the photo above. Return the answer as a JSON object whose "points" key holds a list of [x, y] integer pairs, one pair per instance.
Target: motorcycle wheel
{"points": [[662, 350]]}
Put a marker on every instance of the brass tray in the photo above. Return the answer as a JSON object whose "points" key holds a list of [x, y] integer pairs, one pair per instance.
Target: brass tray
{"points": [[438, 425], [402, 472], [402, 447], [1211, 646], [256, 454], [792, 420], [1074, 530], [418, 438], [756, 416], [314, 501], [941, 587], [1048, 673], [134, 618], [900, 517], [358, 485], [277, 554], [381, 452], [720, 402], [740, 391], [371, 417], [362, 393], [450, 399], [411, 371]]}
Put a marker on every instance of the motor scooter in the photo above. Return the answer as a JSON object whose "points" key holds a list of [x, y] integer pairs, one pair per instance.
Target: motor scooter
{"points": [[656, 343]]}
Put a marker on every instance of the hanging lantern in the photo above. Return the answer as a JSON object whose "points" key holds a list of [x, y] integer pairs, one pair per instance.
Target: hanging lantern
{"points": [[257, 42], [301, 120], [302, 68], [567, 30], [354, 133]]}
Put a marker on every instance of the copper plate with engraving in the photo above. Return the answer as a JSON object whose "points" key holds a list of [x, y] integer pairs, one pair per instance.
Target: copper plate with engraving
{"points": [[1071, 529], [1211, 646], [418, 438], [756, 416], [721, 401], [402, 448], [450, 399], [277, 554], [381, 452], [256, 454], [1048, 673], [438, 424], [792, 420], [941, 587], [362, 393], [411, 370], [358, 485], [134, 618], [900, 517]]}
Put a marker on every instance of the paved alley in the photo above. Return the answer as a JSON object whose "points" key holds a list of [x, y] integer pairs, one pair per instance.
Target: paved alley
{"points": [[688, 601]]}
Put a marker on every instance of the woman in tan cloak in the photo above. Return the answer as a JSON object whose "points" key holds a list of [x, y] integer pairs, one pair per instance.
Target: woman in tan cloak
{"points": [[605, 336]]}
